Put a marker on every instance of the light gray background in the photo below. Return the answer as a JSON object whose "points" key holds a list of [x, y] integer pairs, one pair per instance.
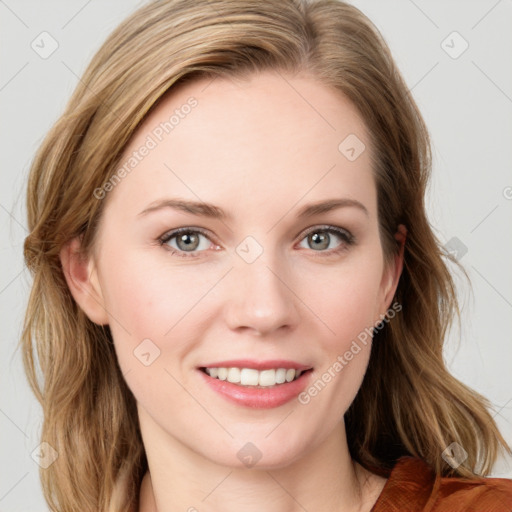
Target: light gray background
{"points": [[466, 102]]}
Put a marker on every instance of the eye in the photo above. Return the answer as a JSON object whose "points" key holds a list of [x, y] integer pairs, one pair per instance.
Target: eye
{"points": [[185, 240], [321, 237], [190, 242]]}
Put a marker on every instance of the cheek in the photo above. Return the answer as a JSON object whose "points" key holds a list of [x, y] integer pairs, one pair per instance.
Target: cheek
{"points": [[343, 354], [149, 299], [344, 298]]}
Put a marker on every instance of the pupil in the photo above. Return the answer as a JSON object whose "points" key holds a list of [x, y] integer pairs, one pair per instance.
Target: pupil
{"points": [[189, 241], [320, 240]]}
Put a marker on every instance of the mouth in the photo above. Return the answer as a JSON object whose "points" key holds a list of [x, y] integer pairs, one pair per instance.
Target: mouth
{"points": [[254, 378], [256, 384]]}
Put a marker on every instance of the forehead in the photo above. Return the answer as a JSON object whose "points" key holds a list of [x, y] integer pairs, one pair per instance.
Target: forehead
{"points": [[269, 136]]}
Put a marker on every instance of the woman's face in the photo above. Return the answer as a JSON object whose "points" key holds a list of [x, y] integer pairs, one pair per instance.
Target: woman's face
{"points": [[259, 280]]}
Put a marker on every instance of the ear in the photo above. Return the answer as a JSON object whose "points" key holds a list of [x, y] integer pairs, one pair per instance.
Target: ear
{"points": [[82, 279], [392, 273]]}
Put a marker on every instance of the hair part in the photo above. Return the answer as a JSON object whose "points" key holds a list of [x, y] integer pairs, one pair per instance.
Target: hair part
{"points": [[408, 404]]}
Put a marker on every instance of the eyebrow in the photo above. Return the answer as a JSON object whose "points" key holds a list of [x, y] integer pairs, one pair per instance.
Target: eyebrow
{"points": [[331, 204], [193, 207], [215, 212]]}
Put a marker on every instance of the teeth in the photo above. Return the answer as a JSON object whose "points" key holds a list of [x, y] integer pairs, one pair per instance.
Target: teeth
{"points": [[249, 377], [233, 375], [252, 377], [267, 378], [280, 375]]}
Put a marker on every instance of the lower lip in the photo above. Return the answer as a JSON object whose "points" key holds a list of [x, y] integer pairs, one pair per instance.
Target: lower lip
{"points": [[258, 398]]}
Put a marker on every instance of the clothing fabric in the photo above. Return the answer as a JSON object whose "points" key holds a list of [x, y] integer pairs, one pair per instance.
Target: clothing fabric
{"points": [[413, 487]]}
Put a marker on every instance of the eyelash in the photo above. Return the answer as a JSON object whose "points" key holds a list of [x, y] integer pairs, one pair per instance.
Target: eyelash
{"points": [[347, 240]]}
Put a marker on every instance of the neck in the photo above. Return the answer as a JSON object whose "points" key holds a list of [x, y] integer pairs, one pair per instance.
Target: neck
{"points": [[324, 479]]}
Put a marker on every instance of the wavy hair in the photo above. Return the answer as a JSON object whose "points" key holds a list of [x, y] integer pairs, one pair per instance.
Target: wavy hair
{"points": [[408, 404]]}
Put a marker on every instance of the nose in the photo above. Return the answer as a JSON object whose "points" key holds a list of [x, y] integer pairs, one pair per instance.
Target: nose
{"points": [[261, 298]]}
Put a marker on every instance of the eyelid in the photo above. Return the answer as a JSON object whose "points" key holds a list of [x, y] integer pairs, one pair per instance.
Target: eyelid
{"points": [[329, 228], [174, 232]]}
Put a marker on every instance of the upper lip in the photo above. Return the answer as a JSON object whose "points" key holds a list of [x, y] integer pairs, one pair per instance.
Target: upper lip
{"points": [[257, 365]]}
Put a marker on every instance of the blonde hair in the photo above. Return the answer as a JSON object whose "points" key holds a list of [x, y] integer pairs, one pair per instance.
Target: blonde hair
{"points": [[408, 404]]}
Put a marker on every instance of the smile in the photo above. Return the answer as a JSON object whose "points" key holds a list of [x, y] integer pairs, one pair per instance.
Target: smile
{"points": [[256, 384], [251, 377]]}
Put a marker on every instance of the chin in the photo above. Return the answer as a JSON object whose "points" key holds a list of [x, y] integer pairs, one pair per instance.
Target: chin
{"points": [[258, 452]]}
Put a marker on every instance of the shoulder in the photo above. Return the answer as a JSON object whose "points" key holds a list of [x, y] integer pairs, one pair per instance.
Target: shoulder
{"points": [[412, 485]]}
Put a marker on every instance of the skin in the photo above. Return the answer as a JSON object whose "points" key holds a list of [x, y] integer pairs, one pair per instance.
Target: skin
{"points": [[260, 149]]}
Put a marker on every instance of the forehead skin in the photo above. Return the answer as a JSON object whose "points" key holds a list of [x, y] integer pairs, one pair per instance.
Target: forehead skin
{"points": [[260, 148]]}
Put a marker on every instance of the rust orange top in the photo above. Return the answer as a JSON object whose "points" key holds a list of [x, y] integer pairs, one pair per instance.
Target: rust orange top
{"points": [[413, 487]]}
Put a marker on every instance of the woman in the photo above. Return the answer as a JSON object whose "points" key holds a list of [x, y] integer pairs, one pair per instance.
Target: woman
{"points": [[238, 300]]}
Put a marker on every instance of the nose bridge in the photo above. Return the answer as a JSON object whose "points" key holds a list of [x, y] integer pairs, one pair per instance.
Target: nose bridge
{"points": [[261, 298]]}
